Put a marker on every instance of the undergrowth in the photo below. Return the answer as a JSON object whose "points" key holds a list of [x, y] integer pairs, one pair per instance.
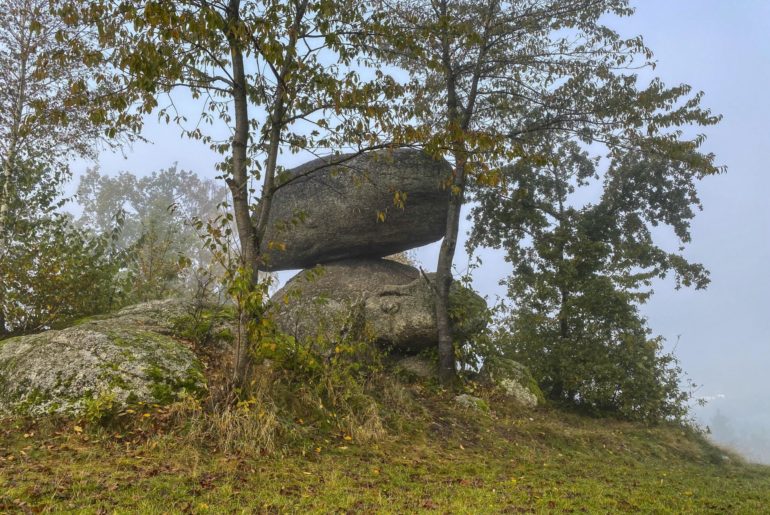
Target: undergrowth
{"points": [[431, 457], [333, 427]]}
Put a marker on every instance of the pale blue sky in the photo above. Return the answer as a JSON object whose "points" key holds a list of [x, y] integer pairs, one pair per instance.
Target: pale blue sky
{"points": [[723, 48]]}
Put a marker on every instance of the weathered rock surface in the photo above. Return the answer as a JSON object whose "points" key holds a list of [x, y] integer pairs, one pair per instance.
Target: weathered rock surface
{"points": [[471, 402], [417, 367], [513, 380], [114, 360], [326, 213], [394, 300]]}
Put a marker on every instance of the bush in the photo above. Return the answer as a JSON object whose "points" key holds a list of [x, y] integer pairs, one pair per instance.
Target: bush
{"points": [[326, 378], [627, 375]]}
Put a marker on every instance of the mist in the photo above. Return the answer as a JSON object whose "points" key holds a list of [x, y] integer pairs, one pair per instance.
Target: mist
{"points": [[721, 334]]}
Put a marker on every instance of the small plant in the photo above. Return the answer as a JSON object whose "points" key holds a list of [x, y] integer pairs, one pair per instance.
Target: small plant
{"points": [[102, 409]]}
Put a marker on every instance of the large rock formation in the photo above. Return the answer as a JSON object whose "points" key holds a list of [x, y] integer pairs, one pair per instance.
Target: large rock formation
{"points": [[103, 362], [325, 213], [394, 300]]}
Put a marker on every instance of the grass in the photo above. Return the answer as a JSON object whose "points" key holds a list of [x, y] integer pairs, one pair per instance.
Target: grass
{"points": [[447, 460]]}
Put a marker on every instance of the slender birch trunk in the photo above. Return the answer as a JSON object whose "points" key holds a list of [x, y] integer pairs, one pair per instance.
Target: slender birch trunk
{"points": [[9, 163]]}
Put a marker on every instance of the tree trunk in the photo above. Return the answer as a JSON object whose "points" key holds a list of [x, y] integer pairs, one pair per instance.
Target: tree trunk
{"points": [[563, 322], [446, 353], [5, 201], [447, 371], [5, 208], [6, 188], [281, 103], [239, 182], [10, 159], [557, 390], [5, 193], [238, 185], [251, 235], [274, 143], [557, 393], [3, 330]]}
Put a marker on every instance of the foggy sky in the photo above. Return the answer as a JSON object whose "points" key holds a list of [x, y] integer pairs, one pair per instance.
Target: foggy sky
{"points": [[723, 48]]}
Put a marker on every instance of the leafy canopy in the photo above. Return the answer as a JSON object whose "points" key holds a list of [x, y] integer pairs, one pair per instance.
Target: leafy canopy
{"points": [[581, 269]]}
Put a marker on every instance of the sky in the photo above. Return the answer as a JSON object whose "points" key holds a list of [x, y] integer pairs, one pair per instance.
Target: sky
{"points": [[721, 335], [723, 49]]}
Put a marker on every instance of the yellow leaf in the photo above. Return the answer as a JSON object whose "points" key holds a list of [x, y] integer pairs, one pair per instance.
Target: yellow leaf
{"points": [[348, 438], [78, 429]]}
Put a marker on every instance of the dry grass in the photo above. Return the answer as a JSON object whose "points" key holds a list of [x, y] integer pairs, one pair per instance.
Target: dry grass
{"points": [[541, 461]]}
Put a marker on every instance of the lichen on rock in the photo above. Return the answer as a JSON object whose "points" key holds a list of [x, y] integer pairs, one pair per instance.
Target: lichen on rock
{"points": [[513, 380], [396, 302], [342, 207], [471, 402], [128, 357]]}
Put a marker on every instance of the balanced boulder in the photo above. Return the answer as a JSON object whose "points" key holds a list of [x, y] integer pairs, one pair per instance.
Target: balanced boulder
{"points": [[371, 205], [394, 301]]}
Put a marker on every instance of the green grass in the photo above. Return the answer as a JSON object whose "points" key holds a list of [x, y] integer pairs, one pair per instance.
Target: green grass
{"points": [[449, 462]]}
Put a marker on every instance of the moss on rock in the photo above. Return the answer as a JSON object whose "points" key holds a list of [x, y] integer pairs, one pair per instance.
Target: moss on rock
{"points": [[118, 360], [513, 380]]}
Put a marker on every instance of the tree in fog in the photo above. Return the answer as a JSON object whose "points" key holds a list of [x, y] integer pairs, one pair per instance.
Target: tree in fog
{"points": [[47, 117], [488, 74]]}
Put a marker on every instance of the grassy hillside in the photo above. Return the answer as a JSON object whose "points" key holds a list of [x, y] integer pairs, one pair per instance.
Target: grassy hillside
{"points": [[444, 460]]}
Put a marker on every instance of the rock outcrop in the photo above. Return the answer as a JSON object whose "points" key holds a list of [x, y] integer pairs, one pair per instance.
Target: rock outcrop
{"points": [[513, 381], [394, 300], [109, 361], [322, 213]]}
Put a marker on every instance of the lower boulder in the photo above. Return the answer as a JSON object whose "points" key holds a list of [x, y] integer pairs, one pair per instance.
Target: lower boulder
{"points": [[394, 301], [109, 361], [416, 367]]}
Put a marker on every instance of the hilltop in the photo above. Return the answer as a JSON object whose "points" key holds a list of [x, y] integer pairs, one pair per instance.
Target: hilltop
{"points": [[342, 429], [445, 460]]}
